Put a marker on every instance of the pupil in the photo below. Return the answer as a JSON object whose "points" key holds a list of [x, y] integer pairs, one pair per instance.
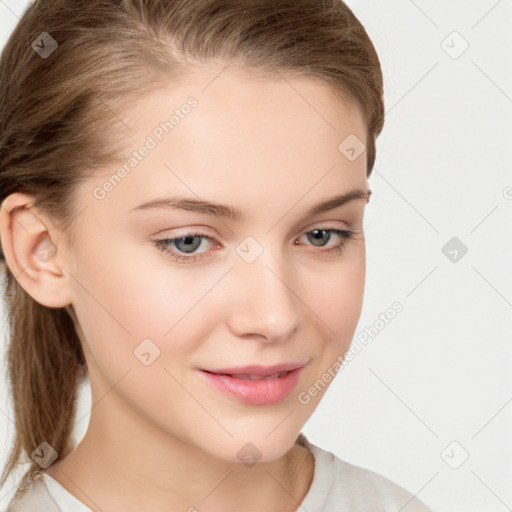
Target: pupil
{"points": [[318, 234], [187, 240]]}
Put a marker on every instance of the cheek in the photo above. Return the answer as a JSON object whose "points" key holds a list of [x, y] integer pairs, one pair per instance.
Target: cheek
{"points": [[338, 303], [126, 303], [121, 302], [336, 292], [344, 298]]}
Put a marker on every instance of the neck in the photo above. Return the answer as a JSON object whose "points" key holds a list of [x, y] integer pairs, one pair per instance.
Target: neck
{"points": [[130, 466]]}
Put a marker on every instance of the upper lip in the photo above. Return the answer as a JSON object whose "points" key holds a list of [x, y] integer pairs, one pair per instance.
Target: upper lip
{"points": [[256, 370]]}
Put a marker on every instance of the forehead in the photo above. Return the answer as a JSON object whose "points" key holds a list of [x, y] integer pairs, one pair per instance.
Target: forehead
{"points": [[229, 132], [240, 98]]}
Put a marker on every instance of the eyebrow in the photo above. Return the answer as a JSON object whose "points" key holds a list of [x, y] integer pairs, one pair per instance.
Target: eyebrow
{"points": [[229, 212]]}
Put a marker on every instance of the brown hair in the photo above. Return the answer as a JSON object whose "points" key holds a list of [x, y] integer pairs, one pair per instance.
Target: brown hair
{"points": [[58, 123]]}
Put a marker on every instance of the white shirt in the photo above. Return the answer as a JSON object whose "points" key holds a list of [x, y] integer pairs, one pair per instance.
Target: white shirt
{"points": [[337, 486]]}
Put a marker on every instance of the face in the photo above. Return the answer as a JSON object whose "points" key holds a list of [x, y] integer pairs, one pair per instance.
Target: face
{"points": [[162, 293]]}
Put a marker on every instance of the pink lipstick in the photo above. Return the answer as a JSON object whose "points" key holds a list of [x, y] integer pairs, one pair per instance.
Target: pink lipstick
{"points": [[256, 385]]}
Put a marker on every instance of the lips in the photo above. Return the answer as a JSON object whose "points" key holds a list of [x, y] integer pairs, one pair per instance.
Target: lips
{"points": [[255, 385], [256, 371], [254, 377]]}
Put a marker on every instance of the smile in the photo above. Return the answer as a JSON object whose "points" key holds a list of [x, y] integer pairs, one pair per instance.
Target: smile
{"points": [[255, 389]]}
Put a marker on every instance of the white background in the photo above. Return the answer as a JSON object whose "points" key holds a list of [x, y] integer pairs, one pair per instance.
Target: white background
{"points": [[439, 372]]}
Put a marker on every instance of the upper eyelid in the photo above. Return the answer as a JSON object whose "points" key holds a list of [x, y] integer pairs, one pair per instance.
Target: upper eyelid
{"points": [[204, 231]]}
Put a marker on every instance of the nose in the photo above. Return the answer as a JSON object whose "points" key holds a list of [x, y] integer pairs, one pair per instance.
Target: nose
{"points": [[263, 302]]}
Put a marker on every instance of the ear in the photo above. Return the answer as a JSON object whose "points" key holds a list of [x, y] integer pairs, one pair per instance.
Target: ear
{"points": [[31, 254]]}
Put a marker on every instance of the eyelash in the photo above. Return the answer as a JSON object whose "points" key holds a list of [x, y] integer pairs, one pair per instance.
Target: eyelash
{"points": [[163, 245]]}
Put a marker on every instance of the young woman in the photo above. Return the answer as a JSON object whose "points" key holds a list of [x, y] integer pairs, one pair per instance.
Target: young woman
{"points": [[183, 185]]}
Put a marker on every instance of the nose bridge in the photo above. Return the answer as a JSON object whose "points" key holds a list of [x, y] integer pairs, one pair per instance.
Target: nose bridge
{"points": [[263, 302]]}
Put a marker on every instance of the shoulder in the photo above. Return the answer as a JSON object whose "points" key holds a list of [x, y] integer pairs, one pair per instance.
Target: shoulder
{"points": [[345, 486], [382, 493], [35, 497]]}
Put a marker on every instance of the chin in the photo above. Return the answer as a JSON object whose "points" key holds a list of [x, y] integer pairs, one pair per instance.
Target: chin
{"points": [[251, 449]]}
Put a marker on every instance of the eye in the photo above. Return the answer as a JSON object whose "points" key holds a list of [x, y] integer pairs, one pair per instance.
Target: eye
{"points": [[185, 245], [319, 234], [182, 248]]}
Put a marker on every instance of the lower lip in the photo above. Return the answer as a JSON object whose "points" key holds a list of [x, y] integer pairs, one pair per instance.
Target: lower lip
{"points": [[255, 392]]}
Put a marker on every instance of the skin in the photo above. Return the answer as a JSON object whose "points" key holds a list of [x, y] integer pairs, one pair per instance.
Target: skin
{"points": [[159, 437]]}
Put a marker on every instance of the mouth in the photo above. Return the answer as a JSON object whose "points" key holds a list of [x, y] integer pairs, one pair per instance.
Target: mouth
{"points": [[255, 385], [252, 377], [256, 370]]}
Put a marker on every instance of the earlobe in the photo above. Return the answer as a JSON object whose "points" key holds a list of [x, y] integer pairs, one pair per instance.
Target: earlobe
{"points": [[30, 253]]}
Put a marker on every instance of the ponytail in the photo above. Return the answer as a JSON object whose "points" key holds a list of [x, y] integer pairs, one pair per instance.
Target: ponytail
{"points": [[45, 364]]}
